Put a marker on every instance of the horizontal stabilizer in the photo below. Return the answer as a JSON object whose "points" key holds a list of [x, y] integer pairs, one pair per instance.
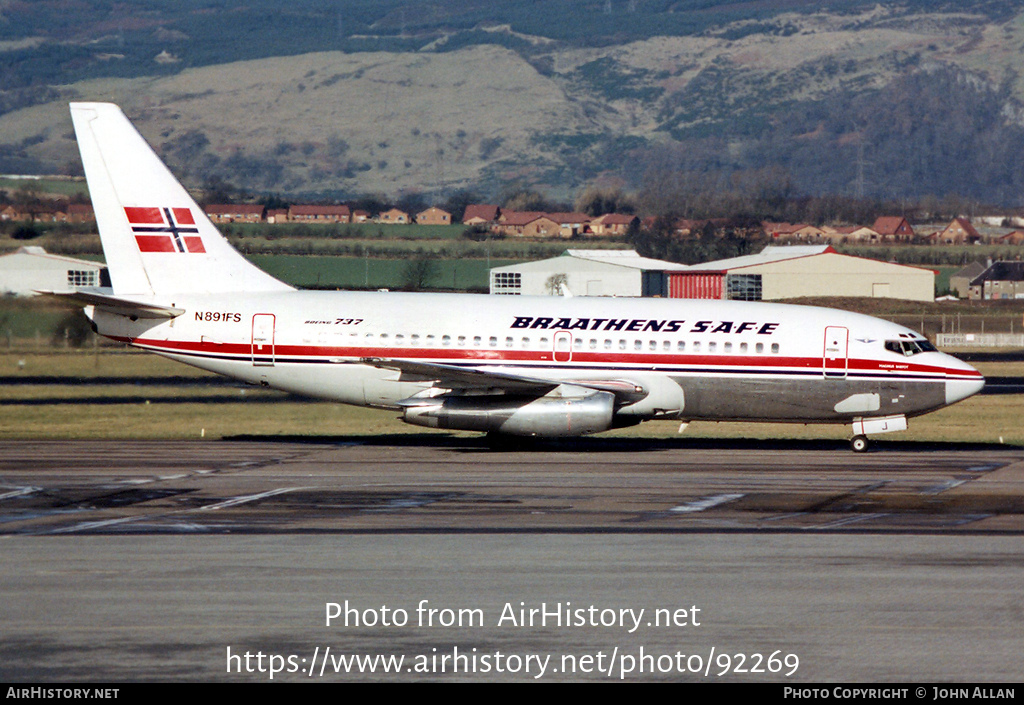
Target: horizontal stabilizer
{"points": [[121, 307]]}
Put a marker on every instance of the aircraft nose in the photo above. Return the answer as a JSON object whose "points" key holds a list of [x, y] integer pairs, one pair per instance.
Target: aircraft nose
{"points": [[959, 389], [960, 386]]}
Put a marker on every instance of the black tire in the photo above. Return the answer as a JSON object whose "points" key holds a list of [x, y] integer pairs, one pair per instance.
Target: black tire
{"points": [[859, 444]]}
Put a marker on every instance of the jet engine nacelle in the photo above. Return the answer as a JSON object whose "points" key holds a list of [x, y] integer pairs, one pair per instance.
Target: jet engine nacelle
{"points": [[517, 416]]}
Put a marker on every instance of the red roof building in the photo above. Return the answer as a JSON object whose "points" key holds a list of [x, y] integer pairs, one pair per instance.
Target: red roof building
{"points": [[480, 214], [320, 214], [612, 224], [234, 213], [893, 227], [958, 232]]}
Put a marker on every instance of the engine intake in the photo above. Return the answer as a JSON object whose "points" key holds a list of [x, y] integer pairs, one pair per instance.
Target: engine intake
{"points": [[550, 417]]}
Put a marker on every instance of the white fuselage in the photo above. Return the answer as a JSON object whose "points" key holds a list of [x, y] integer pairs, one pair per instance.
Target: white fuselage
{"points": [[695, 359]]}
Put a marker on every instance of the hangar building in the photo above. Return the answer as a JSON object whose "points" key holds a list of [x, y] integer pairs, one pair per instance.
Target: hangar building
{"points": [[587, 273], [31, 269], [780, 272]]}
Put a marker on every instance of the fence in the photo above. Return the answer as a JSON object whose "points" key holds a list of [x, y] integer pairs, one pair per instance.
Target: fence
{"points": [[979, 340]]}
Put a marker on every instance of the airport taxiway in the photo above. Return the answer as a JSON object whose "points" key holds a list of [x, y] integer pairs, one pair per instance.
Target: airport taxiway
{"points": [[458, 484], [159, 561]]}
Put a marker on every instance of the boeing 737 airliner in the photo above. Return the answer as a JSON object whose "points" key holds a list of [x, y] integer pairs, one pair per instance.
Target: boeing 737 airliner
{"points": [[526, 366]]}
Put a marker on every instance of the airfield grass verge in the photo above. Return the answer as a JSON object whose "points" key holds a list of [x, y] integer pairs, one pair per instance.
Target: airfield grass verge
{"points": [[107, 393]]}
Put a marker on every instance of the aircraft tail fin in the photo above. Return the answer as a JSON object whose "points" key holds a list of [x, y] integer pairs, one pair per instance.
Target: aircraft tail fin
{"points": [[156, 239]]}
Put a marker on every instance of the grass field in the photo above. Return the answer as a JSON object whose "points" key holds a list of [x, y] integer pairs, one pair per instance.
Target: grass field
{"points": [[370, 273], [106, 393], [46, 187]]}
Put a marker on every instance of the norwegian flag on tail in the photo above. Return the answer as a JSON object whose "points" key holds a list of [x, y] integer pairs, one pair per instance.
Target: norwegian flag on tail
{"points": [[165, 230]]}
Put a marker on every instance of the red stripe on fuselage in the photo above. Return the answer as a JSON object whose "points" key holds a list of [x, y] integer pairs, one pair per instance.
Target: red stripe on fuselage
{"points": [[497, 357]]}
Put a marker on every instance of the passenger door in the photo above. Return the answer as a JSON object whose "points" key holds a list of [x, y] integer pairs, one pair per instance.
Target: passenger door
{"points": [[834, 357], [263, 340]]}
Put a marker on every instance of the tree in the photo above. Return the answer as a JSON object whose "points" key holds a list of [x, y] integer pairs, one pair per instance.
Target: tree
{"points": [[73, 330], [26, 231], [596, 201], [28, 199], [553, 285], [218, 190], [419, 272], [412, 203], [528, 200], [457, 202]]}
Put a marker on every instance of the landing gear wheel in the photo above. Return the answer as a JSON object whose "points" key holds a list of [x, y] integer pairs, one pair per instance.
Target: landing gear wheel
{"points": [[859, 444]]}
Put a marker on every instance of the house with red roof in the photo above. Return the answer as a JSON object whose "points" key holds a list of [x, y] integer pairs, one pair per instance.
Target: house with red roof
{"points": [[481, 214], [320, 214], [893, 227]]}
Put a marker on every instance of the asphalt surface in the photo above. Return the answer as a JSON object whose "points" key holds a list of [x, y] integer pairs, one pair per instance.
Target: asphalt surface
{"points": [[448, 484], [790, 562]]}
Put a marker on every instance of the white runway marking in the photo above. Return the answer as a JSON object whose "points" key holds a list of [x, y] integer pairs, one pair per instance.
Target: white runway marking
{"points": [[701, 504], [251, 498]]}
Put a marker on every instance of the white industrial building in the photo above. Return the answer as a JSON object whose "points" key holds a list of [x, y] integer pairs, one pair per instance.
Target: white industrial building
{"points": [[32, 269], [781, 272], [587, 273]]}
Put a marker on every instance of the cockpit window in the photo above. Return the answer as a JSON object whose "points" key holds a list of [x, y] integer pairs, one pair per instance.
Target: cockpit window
{"points": [[909, 347]]}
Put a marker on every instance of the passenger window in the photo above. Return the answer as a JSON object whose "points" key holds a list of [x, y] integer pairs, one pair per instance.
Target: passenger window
{"points": [[493, 341], [638, 344], [759, 348], [653, 344], [446, 340], [775, 347], [477, 340], [462, 340], [622, 344], [743, 347], [728, 347], [712, 347], [696, 347], [509, 342], [681, 346]]}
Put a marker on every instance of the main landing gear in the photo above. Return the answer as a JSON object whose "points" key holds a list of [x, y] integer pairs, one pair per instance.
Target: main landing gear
{"points": [[859, 444]]}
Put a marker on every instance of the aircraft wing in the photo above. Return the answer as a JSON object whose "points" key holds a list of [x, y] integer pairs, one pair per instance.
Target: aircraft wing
{"points": [[474, 379]]}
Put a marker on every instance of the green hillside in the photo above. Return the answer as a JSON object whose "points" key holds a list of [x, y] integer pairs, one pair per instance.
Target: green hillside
{"points": [[890, 100]]}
